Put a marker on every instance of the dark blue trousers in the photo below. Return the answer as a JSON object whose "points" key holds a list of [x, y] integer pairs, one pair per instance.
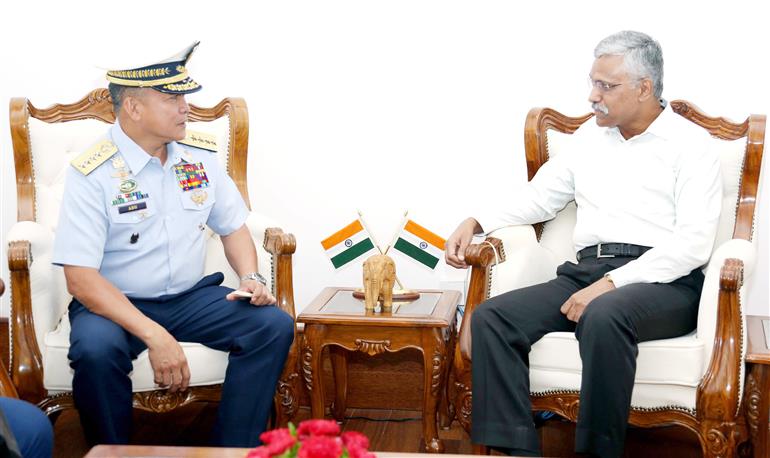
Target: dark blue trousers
{"points": [[257, 338], [30, 428]]}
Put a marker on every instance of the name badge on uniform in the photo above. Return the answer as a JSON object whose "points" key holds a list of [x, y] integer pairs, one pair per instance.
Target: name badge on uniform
{"points": [[191, 176], [132, 207], [129, 197]]}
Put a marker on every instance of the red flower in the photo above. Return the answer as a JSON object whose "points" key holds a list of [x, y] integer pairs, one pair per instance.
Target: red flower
{"points": [[277, 441], [320, 447], [354, 439], [313, 439], [317, 428]]}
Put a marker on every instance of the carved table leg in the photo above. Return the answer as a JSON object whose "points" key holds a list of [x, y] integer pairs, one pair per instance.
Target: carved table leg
{"points": [[339, 357], [758, 407], [446, 410], [312, 369], [434, 358]]}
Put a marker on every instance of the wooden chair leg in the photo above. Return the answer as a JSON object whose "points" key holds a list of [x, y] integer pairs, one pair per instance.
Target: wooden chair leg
{"points": [[480, 449], [286, 398]]}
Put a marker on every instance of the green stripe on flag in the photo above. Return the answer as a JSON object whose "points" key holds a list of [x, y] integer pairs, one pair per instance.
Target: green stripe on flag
{"points": [[352, 253], [416, 253]]}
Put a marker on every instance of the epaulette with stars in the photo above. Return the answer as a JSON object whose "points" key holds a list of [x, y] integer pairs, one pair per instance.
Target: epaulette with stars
{"points": [[95, 156], [200, 140]]}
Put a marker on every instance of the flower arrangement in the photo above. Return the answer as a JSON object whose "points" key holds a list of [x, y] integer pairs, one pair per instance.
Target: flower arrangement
{"points": [[312, 439]]}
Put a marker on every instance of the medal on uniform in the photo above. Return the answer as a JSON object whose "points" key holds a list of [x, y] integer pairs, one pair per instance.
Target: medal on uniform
{"points": [[121, 173], [118, 162], [191, 176], [199, 196], [127, 186]]}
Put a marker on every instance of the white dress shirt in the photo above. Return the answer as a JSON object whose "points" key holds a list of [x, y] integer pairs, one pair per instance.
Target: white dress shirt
{"points": [[661, 189]]}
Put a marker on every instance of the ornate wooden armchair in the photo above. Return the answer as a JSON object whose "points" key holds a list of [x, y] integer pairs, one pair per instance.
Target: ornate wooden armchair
{"points": [[44, 141], [697, 380]]}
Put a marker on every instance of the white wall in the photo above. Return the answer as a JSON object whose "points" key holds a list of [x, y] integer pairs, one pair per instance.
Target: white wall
{"points": [[383, 106]]}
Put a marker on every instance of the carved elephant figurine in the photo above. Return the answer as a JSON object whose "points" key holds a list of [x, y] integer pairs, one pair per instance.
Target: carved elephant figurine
{"points": [[379, 275]]}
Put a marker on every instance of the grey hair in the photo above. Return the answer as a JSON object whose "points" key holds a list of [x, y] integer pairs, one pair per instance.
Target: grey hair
{"points": [[642, 56], [117, 93]]}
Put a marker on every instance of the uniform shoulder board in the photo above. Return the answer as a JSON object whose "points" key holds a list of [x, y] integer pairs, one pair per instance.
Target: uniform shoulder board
{"points": [[95, 156], [200, 140]]}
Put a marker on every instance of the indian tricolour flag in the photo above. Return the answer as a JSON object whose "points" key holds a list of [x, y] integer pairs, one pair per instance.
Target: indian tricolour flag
{"points": [[420, 244], [347, 244]]}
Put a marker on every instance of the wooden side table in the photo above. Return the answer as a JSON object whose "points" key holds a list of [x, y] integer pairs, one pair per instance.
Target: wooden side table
{"points": [[337, 320], [757, 395]]}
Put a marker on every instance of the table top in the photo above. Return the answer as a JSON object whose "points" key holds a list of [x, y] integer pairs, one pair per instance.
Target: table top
{"points": [[144, 451], [757, 351], [336, 305], [136, 451]]}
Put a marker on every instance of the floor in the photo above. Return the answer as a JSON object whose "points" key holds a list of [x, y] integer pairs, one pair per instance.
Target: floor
{"points": [[387, 430]]}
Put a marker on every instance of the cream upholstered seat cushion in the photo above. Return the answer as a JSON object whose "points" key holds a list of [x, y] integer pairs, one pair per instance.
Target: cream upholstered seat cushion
{"points": [[53, 146], [669, 370]]}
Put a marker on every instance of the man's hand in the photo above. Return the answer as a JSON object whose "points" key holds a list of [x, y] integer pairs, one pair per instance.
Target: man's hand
{"points": [[459, 241], [260, 294], [577, 303], [169, 364]]}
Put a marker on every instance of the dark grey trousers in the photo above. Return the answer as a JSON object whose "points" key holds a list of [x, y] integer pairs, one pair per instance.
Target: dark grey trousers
{"points": [[504, 328]]}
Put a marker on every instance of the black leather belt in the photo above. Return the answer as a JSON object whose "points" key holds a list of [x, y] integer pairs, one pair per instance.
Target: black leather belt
{"points": [[611, 250]]}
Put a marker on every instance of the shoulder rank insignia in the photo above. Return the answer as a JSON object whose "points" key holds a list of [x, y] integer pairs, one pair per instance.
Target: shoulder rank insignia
{"points": [[94, 157], [200, 140]]}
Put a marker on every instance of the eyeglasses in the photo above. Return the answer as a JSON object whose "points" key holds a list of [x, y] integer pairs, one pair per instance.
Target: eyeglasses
{"points": [[602, 86]]}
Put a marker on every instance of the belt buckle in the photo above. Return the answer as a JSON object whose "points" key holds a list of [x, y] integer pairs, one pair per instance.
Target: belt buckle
{"points": [[599, 252]]}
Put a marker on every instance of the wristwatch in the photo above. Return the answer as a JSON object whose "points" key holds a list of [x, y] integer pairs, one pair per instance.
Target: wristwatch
{"points": [[255, 276]]}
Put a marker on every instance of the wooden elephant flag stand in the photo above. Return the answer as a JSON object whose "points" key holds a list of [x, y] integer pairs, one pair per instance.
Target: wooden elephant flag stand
{"points": [[379, 270], [379, 277]]}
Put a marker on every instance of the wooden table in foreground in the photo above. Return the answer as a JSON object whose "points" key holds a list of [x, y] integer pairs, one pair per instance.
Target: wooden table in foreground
{"points": [[757, 396], [147, 451], [337, 320]]}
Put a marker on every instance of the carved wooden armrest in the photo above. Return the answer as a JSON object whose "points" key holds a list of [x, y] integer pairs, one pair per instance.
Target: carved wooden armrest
{"points": [[26, 364], [282, 246], [713, 400], [481, 257]]}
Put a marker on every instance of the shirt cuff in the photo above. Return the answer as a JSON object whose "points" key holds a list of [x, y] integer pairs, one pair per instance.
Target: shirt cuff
{"points": [[624, 275]]}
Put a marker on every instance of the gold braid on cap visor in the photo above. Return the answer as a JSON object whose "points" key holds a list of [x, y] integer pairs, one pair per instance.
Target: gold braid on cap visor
{"points": [[181, 87], [150, 83]]}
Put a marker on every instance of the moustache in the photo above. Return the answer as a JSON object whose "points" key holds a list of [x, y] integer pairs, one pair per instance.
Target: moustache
{"points": [[600, 108]]}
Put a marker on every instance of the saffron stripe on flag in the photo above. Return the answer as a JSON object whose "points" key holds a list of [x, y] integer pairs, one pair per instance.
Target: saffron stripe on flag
{"points": [[342, 234], [416, 253], [352, 253], [425, 234]]}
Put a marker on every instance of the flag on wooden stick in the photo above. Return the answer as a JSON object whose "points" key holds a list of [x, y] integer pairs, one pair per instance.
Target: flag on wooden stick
{"points": [[348, 244], [420, 244]]}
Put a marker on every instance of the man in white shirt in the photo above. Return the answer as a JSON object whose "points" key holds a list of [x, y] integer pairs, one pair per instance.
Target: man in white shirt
{"points": [[648, 195]]}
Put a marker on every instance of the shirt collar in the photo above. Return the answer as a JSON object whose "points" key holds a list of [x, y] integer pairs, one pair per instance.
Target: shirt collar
{"points": [[662, 127], [135, 156], [665, 124]]}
